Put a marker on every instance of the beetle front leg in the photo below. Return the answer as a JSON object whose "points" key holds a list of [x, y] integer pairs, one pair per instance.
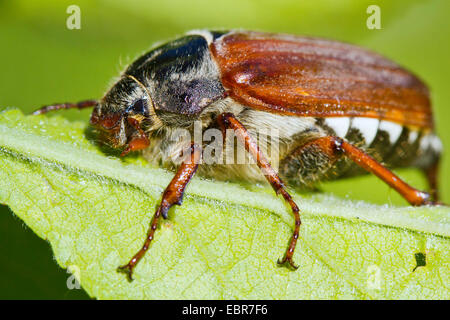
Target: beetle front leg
{"points": [[229, 121], [173, 195]]}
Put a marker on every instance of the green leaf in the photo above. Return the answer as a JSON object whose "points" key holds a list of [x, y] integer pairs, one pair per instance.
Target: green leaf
{"points": [[223, 242]]}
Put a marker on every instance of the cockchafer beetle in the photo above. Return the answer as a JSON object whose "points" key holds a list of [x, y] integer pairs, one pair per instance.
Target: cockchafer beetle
{"points": [[340, 110]]}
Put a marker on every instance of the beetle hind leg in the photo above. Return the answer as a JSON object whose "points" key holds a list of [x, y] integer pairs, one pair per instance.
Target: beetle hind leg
{"points": [[335, 148], [431, 174]]}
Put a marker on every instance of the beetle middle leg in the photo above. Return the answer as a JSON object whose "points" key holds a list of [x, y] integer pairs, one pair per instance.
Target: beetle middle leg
{"points": [[173, 195], [229, 121]]}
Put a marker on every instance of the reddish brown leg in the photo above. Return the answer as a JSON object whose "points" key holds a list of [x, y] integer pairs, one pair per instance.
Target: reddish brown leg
{"points": [[228, 121], [334, 147], [173, 195], [432, 176], [59, 106]]}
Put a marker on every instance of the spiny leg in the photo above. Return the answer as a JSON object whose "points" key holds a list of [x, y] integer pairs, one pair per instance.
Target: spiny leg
{"points": [[229, 121], [335, 147], [59, 106], [173, 195]]}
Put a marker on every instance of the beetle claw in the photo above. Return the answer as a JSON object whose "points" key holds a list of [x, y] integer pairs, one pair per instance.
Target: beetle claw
{"points": [[128, 270], [289, 261]]}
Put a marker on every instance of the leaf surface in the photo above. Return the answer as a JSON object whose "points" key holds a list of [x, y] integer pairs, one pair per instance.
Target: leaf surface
{"points": [[223, 242]]}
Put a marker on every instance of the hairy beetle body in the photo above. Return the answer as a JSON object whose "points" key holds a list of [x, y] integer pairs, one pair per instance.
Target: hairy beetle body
{"points": [[209, 64]]}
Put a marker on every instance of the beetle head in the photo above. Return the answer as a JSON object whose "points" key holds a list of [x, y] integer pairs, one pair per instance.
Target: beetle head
{"points": [[125, 116]]}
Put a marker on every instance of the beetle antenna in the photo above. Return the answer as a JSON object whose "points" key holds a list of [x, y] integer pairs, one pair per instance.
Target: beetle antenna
{"points": [[67, 105]]}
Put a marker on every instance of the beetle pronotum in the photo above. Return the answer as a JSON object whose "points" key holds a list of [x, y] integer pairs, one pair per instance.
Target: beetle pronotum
{"points": [[338, 109]]}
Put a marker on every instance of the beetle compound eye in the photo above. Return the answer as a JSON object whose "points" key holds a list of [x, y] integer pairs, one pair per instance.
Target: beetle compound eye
{"points": [[139, 107]]}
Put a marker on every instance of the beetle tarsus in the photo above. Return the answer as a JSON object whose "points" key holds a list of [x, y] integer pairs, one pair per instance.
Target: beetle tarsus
{"points": [[430, 201], [287, 261], [128, 270]]}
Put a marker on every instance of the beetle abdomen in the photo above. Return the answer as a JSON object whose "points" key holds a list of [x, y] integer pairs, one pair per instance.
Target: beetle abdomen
{"points": [[390, 143], [394, 144]]}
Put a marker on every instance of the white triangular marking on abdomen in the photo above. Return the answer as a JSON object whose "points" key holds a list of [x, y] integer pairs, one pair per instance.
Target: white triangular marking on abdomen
{"points": [[393, 129], [413, 134], [436, 144], [430, 141], [367, 126], [339, 125]]}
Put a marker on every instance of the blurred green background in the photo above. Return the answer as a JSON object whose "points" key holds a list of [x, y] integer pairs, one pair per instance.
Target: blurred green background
{"points": [[42, 62]]}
